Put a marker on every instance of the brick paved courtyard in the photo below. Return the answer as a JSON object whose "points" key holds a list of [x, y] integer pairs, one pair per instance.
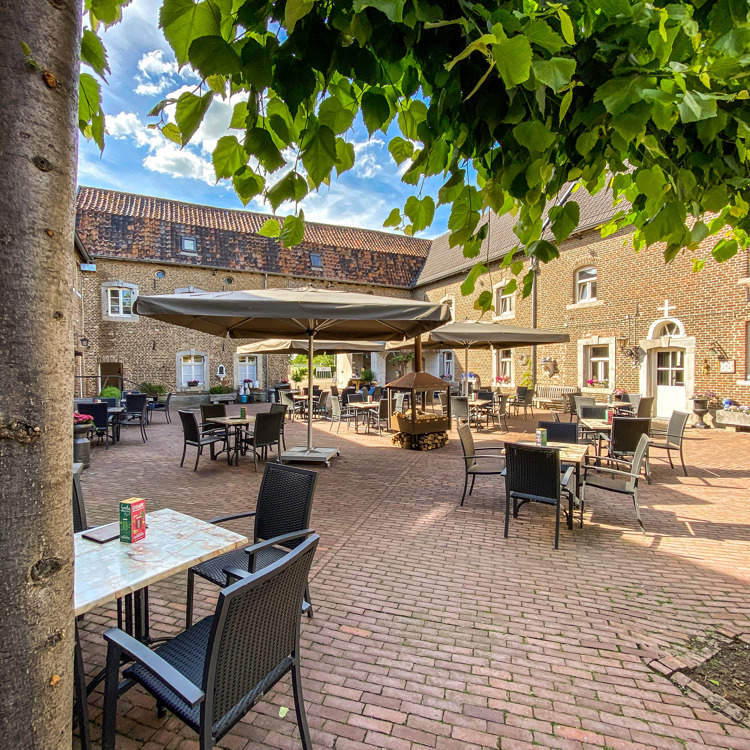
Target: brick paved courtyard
{"points": [[432, 631]]}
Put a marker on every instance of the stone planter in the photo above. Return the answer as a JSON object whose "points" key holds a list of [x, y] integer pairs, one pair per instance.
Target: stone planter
{"points": [[81, 444], [733, 420], [700, 409]]}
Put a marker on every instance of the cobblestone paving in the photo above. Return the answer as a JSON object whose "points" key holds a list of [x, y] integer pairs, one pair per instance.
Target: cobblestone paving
{"points": [[432, 631]]}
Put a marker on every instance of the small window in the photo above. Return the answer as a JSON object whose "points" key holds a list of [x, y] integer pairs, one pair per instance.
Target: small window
{"points": [[187, 290], [120, 301], [192, 369], [503, 302], [189, 245], [598, 366], [228, 280], [586, 284], [160, 274], [667, 329], [316, 261], [504, 366], [446, 365]]}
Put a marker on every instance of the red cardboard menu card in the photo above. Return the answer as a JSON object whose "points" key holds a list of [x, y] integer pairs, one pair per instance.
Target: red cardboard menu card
{"points": [[133, 519]]}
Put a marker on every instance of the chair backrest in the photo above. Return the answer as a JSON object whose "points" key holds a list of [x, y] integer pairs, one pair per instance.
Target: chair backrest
{"points": [[645, 406], [376, 391], [254, 633], [169, 398], [398, 401], [356, 398], [572, 406], [267, 428], [130, 393], [279, 409], [638, 457], [581, 401], [560, 432], [467, 444], [209, 411], [335, 407], [286, 399], [284, 502], [383, 408], [676, 427], [529, 396], [111, 402], [334, 390], [135, 403], [592, 412], [459, 407], [323, 400], [189, 425], [521, 392], [79, 508], [501, 403], [626, 433], [532, 470], [98, 412], [555, 417], [443, 396], [485, 395]]}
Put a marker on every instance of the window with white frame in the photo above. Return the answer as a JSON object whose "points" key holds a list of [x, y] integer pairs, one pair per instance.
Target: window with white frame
{"points": [[192, 368], [446, 365], [597, 365], [503, 301], [505, 365], [187, 290], [117, 299], [586, 284], [188, 245], [247, 368]]}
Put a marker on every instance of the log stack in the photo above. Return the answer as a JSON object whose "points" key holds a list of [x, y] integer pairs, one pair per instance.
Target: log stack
{"points": [[428, 442]]}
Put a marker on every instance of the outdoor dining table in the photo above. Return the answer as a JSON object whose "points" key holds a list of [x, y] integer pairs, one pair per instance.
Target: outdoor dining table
{"points": [[233, 426], [106, 572], [570, 453], [362, 407]]}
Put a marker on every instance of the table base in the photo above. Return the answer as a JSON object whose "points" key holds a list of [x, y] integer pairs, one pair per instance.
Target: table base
{"points": [[310, 455]]}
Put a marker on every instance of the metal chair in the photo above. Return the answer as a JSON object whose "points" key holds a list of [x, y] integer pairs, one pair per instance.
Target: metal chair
{"points": [[281, 409], [293, 408], [527, 403], [624, 439], [102, 421], [645, 406], [192, 436], [266, 433], [498, 411], [579, 401], [282, 517], [320, 407], [572, 406], [673, 437], [533, 475], [461, 410], [155, 406], [79, 507], [135, 413], [380, 416], [340, 414], [619, 481], [476, 464], [560, 432], [213, 673]]}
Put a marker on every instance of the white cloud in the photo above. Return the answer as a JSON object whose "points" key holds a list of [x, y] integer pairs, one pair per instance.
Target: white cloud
{"points": [[366, 162], [151, 89], [153, 64], [169, 159], [127, 125], [158, 74]]}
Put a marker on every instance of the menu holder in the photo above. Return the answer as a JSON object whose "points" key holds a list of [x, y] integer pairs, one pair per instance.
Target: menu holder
{"points": [[102, 534]]}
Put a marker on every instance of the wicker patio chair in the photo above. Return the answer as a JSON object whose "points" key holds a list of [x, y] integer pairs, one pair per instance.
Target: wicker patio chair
{"points": [[210, 411], [192, 436], [163, 407], [280, 409], [645, 406], [265, 433], [572, 406], [461, 409], [379, 417], [293, 408], [476, 463], [533, 475], [210, 675], [623, 440], [673, 437], [320, 407], [103, 426], [282, 515], [135, 413], [499, 411], [340, 414], [623, 480]]}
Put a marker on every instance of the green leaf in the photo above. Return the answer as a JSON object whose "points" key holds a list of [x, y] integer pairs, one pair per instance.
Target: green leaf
{"points": [[171, 132], [715, 199], [483, 302], [617, 94], [270, 228], [612, 8], [228, 156], [665, 225], [344, 156], [211, 55], [533, 135], [107, 11], [513, 60], [542, 35], [375, 111], [400, 149], [420, 212], [651, 182], [295, 10], [319, 153], [259, 143], [724, 250], [89, 97], [183, 21], [247, 185], [566, 26], [256, 63], [565, 104], [283, 711], [543, 250], [695, 106], [564, 220], [333, 114], [477, 45], [239, 116], [554, 73], [393, 9], [394, 218], [470, 281], [291, 187], [93, 52], [528, 282], [189, 113], [293, 230]]}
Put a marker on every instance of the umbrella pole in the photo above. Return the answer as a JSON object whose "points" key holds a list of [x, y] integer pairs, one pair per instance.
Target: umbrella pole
{"points": [[310, 348], [466, 371]]}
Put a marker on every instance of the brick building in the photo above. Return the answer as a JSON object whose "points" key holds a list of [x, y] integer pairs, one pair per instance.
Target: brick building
{"points": [[633, 321]]}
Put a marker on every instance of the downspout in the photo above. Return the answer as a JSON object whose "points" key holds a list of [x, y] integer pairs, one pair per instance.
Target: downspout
{"points": [[265, 356]]}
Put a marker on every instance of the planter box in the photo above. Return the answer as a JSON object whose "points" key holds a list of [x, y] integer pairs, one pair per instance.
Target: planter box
{"points": [[218, 398], [732, 420]]}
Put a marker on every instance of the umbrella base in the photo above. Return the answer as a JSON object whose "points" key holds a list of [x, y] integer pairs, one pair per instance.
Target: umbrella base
{"points": [[310, 455]]}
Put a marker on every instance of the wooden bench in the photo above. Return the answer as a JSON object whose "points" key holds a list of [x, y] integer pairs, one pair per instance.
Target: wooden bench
{"points": [[553, 396]]}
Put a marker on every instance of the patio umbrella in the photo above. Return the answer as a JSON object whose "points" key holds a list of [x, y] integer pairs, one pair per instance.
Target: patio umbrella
{"points": [[275, 313], [300, 346], [479, 335]]}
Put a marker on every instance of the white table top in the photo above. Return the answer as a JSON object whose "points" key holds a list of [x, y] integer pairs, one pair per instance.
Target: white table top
{"points": [[174, 542]]}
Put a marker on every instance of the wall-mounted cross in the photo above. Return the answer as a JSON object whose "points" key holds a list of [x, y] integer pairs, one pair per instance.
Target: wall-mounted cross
{"points": [[667, 307]]}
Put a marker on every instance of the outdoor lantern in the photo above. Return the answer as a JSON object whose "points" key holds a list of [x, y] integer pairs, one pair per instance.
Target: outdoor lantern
{"points": [[84, 342]]}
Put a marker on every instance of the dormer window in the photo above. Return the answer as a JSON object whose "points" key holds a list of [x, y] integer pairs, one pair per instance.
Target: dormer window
{"points": [[316, 260], [189, 245]]}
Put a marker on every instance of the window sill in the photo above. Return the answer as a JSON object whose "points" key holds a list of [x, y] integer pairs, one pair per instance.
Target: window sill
{"points": [[120, 317], [504, 316], [584, 305]]}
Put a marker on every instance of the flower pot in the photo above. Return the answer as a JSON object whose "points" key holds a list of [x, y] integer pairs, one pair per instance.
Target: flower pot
{"points": [[700, 409], [81, 444]]}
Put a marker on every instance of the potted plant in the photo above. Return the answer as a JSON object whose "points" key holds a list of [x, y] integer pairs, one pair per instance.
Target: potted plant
{"points": [[594, 383], [82, 425], [152, 389], [299, 375], [193, 384], [700, 401], [111, 392], [367, 375], [502, 380]]}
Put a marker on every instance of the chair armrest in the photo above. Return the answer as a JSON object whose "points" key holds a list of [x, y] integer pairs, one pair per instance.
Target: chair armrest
{"points": [[278, 540], [490, 448], [608, 458], [159, 667], [605, 470], [221, 519], [235, 572], [567, 477], [493, 455]]}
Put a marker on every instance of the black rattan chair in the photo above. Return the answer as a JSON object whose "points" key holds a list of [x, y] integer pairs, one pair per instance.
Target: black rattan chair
{"points": [[102, 421], [210, 411], [266, 433], [475, 463], [192, 436], [461, 410], [283, 508], [380, 416], [159, 406], [624, 439], [533, 475], [282, 409], [518, 399], [673, 437], [135, 415], [293, 407], [213, 673], [560, 432], [320, 407]]}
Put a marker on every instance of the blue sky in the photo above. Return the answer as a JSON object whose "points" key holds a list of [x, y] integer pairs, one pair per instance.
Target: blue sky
{"points": [[139, 160]]}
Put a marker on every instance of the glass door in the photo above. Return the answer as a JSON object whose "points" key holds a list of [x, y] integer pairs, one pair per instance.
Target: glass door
{"points": [[670, 381]]}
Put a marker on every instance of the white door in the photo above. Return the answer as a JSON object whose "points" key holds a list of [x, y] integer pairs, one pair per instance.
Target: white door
{"points": [[670, 381]]}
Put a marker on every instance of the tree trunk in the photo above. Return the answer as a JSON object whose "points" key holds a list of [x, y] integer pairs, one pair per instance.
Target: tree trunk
{"points": [[38, 123]]}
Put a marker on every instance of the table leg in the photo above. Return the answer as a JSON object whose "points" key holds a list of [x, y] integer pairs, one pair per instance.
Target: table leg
{"points": [[81, 695]]}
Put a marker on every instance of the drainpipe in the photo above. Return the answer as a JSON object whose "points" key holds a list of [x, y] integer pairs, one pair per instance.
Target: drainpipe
{"points": [[265, 356]]}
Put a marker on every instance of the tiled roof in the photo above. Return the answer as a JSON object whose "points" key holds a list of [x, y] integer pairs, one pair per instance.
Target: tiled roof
{"points": [[444, 260], [123, 225]]}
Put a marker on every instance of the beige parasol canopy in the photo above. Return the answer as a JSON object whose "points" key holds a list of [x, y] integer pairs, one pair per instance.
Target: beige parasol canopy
{"points": [[301, 346]]}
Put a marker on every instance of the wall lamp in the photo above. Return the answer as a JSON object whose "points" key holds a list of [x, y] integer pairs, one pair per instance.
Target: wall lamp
{"points": [[718, 351], [634, 353], [84, 342]]}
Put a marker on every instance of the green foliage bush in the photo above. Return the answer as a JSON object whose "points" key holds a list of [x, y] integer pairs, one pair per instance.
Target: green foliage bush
{"points": [[367, 374], [221, 389], [111, 392], [152, 389]]}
